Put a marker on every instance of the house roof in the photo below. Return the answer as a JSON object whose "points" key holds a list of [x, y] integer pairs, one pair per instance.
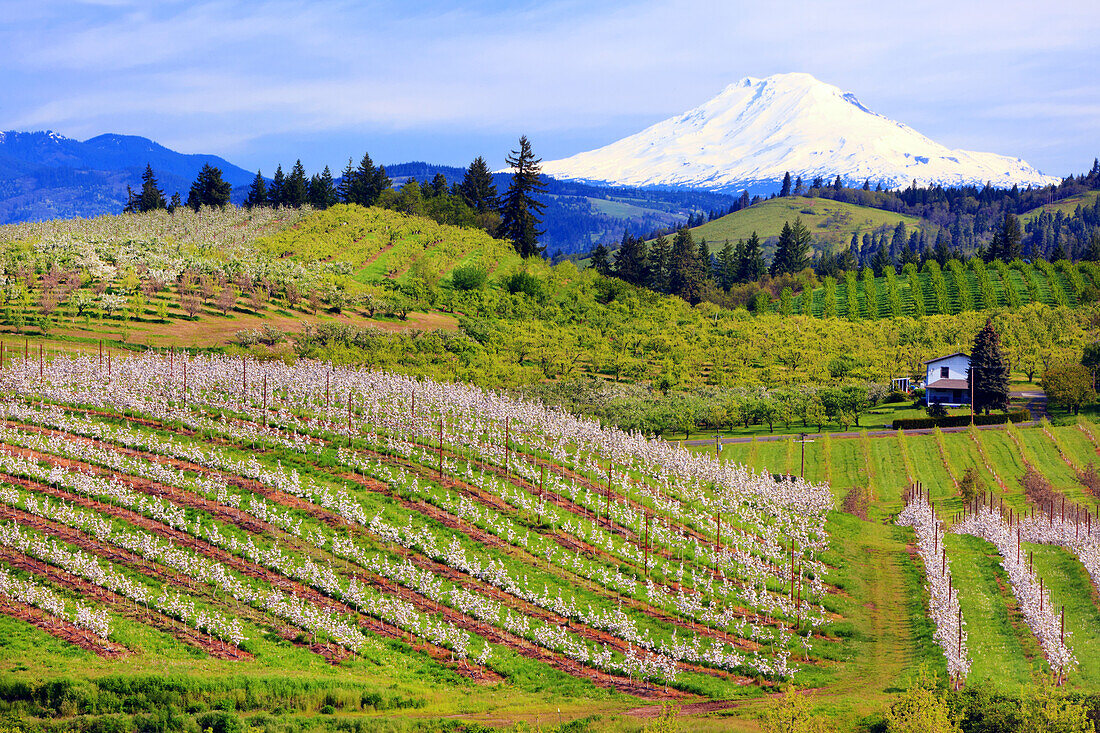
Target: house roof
{"points": [[949, 384], [941, 358]]}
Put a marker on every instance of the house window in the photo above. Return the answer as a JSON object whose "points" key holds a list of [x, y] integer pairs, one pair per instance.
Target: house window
{"points": [[944, 372]]}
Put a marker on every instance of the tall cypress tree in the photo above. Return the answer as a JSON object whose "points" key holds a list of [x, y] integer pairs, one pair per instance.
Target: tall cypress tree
{"points": [[726, 266], [521, 211], [786, 189], [257, 192], [989, 371], [477, 188], [151, 198]]}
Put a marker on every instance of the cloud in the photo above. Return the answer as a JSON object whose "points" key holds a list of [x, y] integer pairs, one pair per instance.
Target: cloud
{"points": [[563, 67]]}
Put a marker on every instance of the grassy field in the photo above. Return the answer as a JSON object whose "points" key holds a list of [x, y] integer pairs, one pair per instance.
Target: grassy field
{"points": [[831, 222], [1066, 206]]}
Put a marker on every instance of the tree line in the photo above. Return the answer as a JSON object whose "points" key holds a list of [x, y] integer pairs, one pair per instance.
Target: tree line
{"points": [[473, 201]]}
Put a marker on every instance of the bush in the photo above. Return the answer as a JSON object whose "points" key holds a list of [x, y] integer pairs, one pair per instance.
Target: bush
{"points": [[469, 277], [220, 721], [958, 421], [936, 410], [894, 398], [526, 283]]}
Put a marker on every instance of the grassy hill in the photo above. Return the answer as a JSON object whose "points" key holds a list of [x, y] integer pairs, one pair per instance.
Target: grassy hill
{"points": [[1067, 206], [831, 222]]}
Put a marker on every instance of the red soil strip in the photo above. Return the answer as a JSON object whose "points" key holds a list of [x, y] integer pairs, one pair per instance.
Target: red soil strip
{"points": [[64, 630]]}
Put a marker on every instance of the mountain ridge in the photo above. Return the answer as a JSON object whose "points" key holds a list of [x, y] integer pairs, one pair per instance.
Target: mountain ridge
{"points": [[756, 130]]}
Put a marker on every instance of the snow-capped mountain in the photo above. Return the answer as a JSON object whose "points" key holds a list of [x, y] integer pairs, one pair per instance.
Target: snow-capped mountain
{"points": [[758, 129]]}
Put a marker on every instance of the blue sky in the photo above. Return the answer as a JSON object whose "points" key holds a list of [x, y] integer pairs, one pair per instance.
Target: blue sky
{"points": [[264, 82]]}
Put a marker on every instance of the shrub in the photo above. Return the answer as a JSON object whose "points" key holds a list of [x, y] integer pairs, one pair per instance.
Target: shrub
{"points": [[970, 485], [526, 283], [469, 277], [958, 421]]}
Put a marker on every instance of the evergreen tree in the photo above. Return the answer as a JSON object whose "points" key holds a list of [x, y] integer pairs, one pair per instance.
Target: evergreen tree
{"points": [[131, 206], [727, 265], [988, 371], [751, 266], [685, 272], [347, 181], [296, 192], [792, 251], [630, 260], [151, 198], [209, 189], [786, 189], [276, 192], [1010, 239], [477, 188], [367, 183], [322, 190], [601, 260], [660, 255], [706, 261], [881, 261], [900, 239], [176, 202], [798, 185], [519, 215], [436, 187], [257, 192]]}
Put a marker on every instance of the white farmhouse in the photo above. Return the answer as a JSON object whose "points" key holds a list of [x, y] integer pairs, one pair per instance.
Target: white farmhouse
{"points": [[946, 380]]}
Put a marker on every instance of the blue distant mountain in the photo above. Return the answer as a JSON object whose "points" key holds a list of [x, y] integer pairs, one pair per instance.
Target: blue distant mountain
{"points": [[44, 175]]}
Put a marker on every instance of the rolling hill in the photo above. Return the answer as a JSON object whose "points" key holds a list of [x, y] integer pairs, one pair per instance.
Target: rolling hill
{"points": [[831, 222]]}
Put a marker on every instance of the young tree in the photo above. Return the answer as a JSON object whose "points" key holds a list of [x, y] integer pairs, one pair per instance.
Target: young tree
{"points": [[257, 192], [1069, 386], [347, 181], [276, 192], [521, 210], [151, 198], [209, 189], [988, 371]]}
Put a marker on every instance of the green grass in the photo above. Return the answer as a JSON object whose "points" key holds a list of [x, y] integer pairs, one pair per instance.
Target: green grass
{"points": [[831, 222], [1066, 206], [1004, 654], [1070, 586]]}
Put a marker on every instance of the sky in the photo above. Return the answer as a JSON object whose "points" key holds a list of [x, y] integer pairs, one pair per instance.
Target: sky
{"points": [[265, 82]]}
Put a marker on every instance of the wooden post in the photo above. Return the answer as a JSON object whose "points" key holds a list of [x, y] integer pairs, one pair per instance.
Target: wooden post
{"points": [[349, 419], [542, 487], [1040, 595], [507, 445], [185, 384], [647, 544], [101, 355], [41, 364], [328, 382], [265, 397], [607, 506], [441, 447], [244, 378]]}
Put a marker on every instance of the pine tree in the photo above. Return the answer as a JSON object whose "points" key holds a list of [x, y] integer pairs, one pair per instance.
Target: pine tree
{"points": [[176, 202], [600, 260], [988, 371], [726, 267], [296, 193], [151, 198], [477, 188], [685, 271], [751, 266], [436, 187], [630, 260], [660, 255], [786, 189], [209, 189], [347, 181], [1011, 238], [276, 192], [131, 206], [521, 211], [257, 192], [792, 253], [322, 190]]}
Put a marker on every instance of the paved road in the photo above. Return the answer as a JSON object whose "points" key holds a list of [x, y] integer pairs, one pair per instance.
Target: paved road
{"points": [[1034, 399]]}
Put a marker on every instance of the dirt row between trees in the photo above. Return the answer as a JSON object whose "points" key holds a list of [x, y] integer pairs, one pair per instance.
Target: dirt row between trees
{"points": [[62, 629]]}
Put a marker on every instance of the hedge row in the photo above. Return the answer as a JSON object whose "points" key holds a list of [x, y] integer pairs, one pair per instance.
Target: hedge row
{"points": [[958, 421]]}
